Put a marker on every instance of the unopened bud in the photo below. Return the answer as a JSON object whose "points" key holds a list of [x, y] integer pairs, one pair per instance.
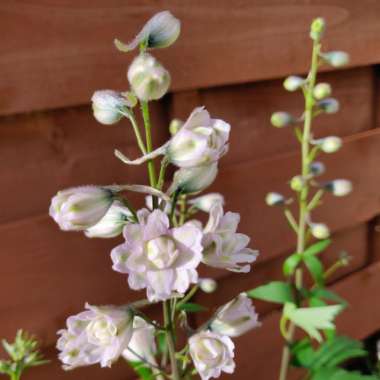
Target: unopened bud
{"points": [[274, 199], [317, 168], [207, 201], [319, 230], [336, 58], [175, 126], [297, 183], [321, 91], [293, 83], [329, 105], [330, 144], [148, 78], [193, 180], [339, 187], [107, 106], [317, 29], [208, 285], [281, 119]]}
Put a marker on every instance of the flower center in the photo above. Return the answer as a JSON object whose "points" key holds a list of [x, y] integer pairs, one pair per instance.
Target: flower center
{"points": [[210, 351], [162, 252], [101, 331]]}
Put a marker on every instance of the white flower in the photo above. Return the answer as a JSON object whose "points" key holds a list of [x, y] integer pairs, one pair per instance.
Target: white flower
{"points": [[148, 78], [236, 317], [108, 106], [112, 223], [98, 335], [80, 208], [161, 31], [205, 202], [212, 353], [223, 246], [195, 179], [158, 258], [142, 346], [200, 141]]}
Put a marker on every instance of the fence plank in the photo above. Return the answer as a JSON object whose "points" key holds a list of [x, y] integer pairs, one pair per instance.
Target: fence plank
{"points": [[63, 67]]}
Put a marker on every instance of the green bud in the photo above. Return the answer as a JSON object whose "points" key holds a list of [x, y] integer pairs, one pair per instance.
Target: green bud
{"points": [[329, 105], [293, 83], [317, 29], [297, 183], [175, 126], [281, 119], [274, 199], [336, 58], [321, 91]]}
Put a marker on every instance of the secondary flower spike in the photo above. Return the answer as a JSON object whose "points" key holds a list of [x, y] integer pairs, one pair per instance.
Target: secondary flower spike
{"points": [[79, 208], [212, 354], [158, 258], [161, 31], [98, 335]]}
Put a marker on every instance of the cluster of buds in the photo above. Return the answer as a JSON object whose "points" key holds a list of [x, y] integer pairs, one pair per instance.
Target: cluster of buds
{"points": [[321, 102]]}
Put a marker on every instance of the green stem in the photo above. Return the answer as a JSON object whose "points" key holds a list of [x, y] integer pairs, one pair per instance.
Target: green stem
{"points": [[149, 146], [303, 199], [140, 141], [170, 340]]}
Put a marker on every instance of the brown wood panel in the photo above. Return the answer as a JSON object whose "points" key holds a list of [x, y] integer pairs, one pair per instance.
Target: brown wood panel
{"points": [[44, 152], [354, 241], [262, 346], [357, 161], [219, 45]]}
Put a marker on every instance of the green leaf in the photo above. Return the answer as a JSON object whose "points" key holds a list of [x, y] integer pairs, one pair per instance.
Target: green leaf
{"points": [[340, 374], [312, 319], [276, 291], [317, 247], [191, 307], [144, 372], [291, 263], [336, 351], [302, 353], [328, 295], [315, 268]]}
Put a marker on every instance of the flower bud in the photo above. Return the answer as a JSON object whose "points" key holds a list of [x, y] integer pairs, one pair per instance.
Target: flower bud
{"points": [[330, 144], [236, 317], [205, 202], [112, 223], [161, 31], [107, 106], [208, 285], [274, 199], [175, 126], [317, 168], [336, 58], [148, 78], [297, 183], [194, 180], [80, 208], [293, 83], [317, 29], [339, 187], [321, 91], [329, 105], [281, 119], [319, 230]]}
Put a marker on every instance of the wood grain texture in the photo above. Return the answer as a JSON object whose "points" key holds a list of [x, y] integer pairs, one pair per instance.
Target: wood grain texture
{"points": [[220, 44]]}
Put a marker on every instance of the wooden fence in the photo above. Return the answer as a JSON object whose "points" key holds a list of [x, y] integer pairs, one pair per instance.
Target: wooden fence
{"points": [[231, 57]]}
